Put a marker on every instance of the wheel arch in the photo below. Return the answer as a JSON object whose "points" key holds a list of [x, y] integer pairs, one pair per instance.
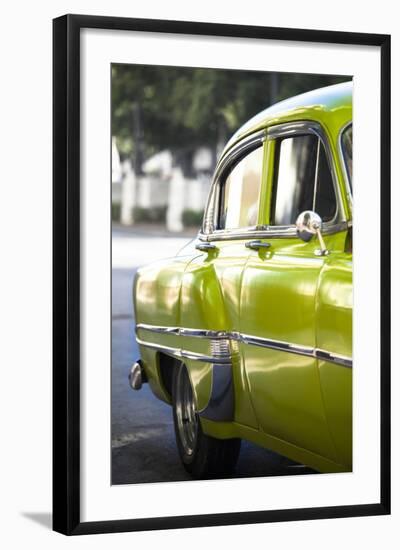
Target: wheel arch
{"points": [[166, 366]]}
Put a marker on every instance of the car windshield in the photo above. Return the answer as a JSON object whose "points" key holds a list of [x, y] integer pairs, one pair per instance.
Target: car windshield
{"points": [[347, 149]]}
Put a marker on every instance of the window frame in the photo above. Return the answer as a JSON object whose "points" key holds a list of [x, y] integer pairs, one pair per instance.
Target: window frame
{"points": [[284, 131], [349, 191], [222, 188], [264, 138], [225, 165]]}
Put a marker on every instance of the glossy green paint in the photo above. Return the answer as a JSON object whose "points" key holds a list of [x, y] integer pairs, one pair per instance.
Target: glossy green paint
{"points": [[331, 107], [334, 315], [232, 429], [213, 283], [278, 299], [294, 404]]}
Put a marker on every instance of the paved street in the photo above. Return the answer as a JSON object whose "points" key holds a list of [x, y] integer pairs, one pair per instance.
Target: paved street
{"points": [[143, 441]]}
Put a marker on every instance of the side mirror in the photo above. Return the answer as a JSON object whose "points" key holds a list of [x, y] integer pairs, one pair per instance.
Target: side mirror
{"points": [[309, 224]]}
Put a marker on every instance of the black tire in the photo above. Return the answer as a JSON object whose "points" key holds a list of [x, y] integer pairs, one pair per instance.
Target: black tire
{"points": [[201, 455]]}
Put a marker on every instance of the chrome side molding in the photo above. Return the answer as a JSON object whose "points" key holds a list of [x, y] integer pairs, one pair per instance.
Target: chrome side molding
{"points": [[278, 345], [185, 354], [334, 358]]}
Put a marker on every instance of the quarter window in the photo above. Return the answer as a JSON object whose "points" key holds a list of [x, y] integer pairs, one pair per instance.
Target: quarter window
{"points": [[240, 192], [303, 180]]}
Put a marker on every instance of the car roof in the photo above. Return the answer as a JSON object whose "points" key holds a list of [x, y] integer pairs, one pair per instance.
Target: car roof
{"points": [[331, 106]]}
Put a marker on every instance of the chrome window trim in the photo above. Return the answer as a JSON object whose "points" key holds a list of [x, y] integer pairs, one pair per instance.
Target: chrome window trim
{"points": [[349, 193], [268, 232], [291, 129], [278, 345], [287, 129], [239, 150], [234, 155]]}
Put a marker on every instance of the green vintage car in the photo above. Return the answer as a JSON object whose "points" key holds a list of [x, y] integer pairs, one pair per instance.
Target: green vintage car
{"points": [[247, 332]]}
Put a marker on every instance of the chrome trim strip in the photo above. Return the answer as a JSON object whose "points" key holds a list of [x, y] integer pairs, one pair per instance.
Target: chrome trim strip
{"points": [[269, 232], [334, 358], [193, 332], [181, 353], [278, 345], [158, 328]]}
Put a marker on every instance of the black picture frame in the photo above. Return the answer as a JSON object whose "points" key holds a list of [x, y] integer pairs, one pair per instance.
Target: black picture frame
{"points": [[66, 273]]}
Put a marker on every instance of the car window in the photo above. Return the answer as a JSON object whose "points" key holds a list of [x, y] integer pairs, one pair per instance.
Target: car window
{"points": [[240, 192], [303, 180], [347, 148]]}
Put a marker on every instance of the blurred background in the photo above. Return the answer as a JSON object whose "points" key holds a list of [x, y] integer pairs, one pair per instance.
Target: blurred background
{"points": [[169, 125]]}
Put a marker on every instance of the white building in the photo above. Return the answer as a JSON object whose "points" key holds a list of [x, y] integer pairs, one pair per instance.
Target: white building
{"points": [[163, 190]]}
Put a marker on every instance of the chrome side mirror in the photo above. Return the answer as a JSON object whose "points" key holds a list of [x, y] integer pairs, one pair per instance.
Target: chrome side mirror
{"points": [[309, 224]]}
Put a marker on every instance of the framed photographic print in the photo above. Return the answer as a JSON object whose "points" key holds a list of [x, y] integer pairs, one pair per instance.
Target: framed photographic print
{"points": [[221, 285]]}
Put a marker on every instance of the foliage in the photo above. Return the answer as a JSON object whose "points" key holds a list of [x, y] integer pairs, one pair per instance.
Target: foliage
{"points": [[115, 212], [192, 218], [155, 214], [156, 107]]}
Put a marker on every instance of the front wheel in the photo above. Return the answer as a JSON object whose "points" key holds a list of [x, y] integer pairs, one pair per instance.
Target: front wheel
{"points": [[202, 456]]}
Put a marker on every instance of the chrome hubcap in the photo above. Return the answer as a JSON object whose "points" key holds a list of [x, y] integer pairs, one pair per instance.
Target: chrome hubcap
{"points": [[186, 412]]}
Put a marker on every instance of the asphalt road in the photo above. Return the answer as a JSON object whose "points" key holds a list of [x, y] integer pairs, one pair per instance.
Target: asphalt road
{"points": [[143, 440]]}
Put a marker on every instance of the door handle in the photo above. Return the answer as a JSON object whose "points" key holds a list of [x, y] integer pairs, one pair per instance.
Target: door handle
{"points": [[256, 245], [205, 247]]}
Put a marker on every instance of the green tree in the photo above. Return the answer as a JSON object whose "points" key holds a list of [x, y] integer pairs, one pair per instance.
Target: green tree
{"points": [[157, 107]]}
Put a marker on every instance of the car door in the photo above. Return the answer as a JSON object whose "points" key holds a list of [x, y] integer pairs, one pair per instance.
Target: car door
{"points": [[280, 290], [211, 284]]}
